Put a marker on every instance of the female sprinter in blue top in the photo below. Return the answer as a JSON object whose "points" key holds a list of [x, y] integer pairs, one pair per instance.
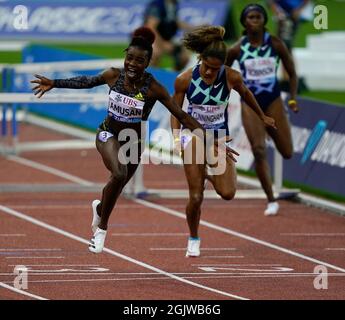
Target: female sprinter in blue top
{"points": [[207, 87], [259, 53]]}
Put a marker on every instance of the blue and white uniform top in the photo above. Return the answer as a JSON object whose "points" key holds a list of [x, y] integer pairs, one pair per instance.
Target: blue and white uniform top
{"points": [[208, 104], [259, 65]]}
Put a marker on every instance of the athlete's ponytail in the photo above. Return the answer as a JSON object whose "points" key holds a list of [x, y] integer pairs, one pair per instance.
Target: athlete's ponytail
{"points": [[207, 41], [143, 38]]}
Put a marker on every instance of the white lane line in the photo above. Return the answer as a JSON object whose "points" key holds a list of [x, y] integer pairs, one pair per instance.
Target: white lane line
{"points": [[236, 265], [6, 286], [57, 273], [12, 235], [238, 234], [202, 249], [313, 234], [64, 206], [149, 234], [56, 265], [335, 249], [50, 170], [221, 257], [155, 273], [114, 253], [213, 276], [28, 249], [176, 273], [47, 257]]}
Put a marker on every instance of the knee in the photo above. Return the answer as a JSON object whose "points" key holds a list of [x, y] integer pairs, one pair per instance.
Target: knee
{"points": [[196, 198], [287, 154], [228, 194], [259, 153]]}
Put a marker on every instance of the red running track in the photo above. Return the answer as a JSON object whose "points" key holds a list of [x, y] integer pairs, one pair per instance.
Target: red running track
{"points": [[244, 254]]}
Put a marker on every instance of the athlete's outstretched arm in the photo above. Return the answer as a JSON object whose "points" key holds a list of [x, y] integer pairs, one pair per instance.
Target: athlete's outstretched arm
{"points": [[162, 95], [235, 81], [82, 82]]}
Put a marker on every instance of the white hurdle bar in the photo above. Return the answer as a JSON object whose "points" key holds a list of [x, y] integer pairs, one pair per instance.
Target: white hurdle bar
{"points": [[27, 98]]}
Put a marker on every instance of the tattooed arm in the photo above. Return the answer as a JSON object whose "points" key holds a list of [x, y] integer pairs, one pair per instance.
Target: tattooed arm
{"points": [[82, 82]]}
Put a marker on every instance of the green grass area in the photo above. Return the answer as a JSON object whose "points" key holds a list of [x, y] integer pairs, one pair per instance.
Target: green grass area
{"points": [[108, 51], [105, 50], [320, 193], [10, 56], [337, 97]]}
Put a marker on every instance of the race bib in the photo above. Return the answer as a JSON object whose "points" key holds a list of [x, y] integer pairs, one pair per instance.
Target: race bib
{"points": [[104, 136], [125, 109], [260, 68], [207, 115]]}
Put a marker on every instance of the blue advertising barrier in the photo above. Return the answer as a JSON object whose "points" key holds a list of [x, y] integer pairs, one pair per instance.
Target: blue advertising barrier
{"points": [[318, 132], [93, 20]]}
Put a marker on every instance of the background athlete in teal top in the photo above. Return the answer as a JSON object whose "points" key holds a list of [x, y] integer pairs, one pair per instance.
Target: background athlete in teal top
{"points": [[259, 69], [207, 87], [258, 52]]}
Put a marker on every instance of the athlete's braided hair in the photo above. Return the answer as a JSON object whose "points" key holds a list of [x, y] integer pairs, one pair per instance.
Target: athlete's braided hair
{"points": [[143, 38], [207, 41]]}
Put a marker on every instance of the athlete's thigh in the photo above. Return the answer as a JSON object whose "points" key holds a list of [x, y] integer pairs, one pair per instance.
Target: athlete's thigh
{"points": [[253, 127], [282, 135], [111, 153], [225, 182]]}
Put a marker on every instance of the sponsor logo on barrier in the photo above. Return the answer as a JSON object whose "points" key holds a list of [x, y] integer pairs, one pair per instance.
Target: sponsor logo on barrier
{"points": [[331, 149], [313, 140], [320, 145]]}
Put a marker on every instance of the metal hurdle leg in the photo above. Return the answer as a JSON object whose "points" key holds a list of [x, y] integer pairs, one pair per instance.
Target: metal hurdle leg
{"points": [[3, 148], [278, 170]]}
